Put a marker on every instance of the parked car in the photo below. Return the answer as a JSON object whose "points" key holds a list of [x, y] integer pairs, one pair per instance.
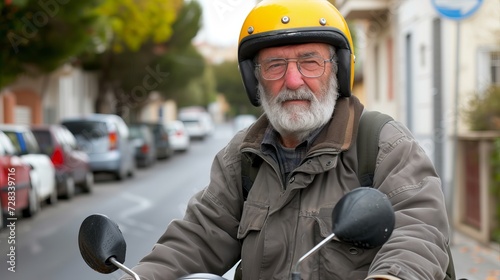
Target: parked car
{"points": [[243, 121], [178, 135], [144, 144], [199, 124], [15, 187], [105, 138], [72, 165], [43, 174], [161, 139]]}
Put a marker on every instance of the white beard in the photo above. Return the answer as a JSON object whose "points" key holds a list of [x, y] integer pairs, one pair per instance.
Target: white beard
{"points": [[299, 121]]}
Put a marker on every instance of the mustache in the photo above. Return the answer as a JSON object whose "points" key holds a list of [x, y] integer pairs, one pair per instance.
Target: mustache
{"points": [[303, 94]]}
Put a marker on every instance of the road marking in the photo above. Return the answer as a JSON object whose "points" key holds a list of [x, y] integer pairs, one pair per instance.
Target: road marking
{"points": [[141, 204]]}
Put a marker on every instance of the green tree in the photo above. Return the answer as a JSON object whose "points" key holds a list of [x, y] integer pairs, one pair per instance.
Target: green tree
{"points": [[166, 67], [130, 66], [200, 91], [135, 22], [39, 36], [230, 85], [182, 60]]}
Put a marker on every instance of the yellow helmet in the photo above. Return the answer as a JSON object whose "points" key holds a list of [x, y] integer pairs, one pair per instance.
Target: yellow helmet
{"points": [[284, 22]]}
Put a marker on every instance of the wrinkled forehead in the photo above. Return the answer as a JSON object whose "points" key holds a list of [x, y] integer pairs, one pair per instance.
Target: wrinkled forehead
{"points": [[293, 51]]}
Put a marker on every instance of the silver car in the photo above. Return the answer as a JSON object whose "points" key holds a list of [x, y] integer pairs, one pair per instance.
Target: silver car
{"points": [[105, 138]]}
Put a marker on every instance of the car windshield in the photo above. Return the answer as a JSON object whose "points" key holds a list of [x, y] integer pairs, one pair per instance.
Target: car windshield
{"points": [[44, 140], [14, 140], [87, 129], [6, 143], [135, 132]]}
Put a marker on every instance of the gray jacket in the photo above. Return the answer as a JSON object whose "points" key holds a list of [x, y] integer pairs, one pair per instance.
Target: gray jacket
{"points": [[280, 221]]}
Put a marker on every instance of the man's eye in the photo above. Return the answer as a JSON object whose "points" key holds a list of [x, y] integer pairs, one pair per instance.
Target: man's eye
{"points": [[275, 65], [310, 63]]}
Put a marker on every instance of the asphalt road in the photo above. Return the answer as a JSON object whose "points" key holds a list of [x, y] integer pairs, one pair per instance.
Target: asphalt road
{"points": [[46, 246]]}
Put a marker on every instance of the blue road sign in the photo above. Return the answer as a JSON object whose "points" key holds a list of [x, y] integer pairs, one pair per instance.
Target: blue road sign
{"points": [[456, 9]]}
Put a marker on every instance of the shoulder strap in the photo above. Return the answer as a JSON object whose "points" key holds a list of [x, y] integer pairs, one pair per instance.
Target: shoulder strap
{"points": [[369, 128], [249, 169]]}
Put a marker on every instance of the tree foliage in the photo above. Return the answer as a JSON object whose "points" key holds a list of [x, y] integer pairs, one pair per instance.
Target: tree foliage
{"points": [[134, 22], [483, 110], [230, 85], [182, 60], [136, 46], [166, 67], [199, 92], [39, 36]]}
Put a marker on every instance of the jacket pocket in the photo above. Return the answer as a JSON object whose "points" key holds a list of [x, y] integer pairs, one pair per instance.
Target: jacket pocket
{"points": [[253, 218], [337, 260]]}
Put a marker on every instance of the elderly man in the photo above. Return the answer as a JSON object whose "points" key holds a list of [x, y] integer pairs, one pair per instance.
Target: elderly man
{"points": [[296, 60]]}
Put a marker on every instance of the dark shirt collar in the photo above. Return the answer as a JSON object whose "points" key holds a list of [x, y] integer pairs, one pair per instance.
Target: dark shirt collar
{"points": [[272, 139], [287, 158]]}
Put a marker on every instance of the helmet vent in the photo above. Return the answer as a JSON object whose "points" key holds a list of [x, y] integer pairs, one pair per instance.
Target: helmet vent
{"points": [[322, 21], [285, 19], [250, 30]]}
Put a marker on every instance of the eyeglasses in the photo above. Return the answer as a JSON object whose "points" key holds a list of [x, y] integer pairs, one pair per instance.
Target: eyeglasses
{"points": [[310, 67]]}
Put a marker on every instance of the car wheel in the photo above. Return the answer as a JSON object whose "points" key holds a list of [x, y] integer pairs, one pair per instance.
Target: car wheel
{"points": [[88, 184], [120, 174], [52, 199], [69, 187], [170, 152], [33, 204], [131, 171]]}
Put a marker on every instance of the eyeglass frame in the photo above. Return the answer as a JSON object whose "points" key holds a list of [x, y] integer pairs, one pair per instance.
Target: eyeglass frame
{"points": [[287, 60]]}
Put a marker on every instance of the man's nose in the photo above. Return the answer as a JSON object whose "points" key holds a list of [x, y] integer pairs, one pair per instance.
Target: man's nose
{"points": [[293, 77]]}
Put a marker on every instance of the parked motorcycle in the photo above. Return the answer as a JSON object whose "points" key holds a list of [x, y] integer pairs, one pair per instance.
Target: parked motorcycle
{"points": [[364, 218]]}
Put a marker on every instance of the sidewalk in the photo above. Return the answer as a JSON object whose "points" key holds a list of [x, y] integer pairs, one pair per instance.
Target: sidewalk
{"points": [[474, 261]]}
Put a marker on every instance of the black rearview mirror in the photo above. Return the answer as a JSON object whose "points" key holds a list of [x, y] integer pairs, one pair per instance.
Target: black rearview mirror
{"points": [[364, 218], [99, 240]]}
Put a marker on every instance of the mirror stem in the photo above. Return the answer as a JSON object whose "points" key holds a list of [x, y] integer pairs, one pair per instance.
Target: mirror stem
{"points": [[296, 273], [124, 268]]}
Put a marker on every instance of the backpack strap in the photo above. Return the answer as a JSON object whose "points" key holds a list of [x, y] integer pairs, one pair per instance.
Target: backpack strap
{"points": [[369, 128], [249, 169]]}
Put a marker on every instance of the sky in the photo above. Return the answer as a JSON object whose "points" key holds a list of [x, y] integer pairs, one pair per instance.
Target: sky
{"points": [[222, 20]]}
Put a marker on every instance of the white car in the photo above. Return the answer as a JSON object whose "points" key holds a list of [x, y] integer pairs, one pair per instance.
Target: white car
{"points": [[243, 121], [178, 136], [199, 124], [43, 174]]}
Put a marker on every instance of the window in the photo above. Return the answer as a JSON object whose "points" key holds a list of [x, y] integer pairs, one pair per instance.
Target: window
{"points": [[31, 143], [15, 141], [495, 68], [488, 68]]}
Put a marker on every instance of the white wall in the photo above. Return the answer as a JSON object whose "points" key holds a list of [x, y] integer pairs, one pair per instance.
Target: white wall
{"points": [[77, 92]]}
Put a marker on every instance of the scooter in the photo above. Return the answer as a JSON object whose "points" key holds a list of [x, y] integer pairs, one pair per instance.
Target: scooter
{"points": [[363, 217]]}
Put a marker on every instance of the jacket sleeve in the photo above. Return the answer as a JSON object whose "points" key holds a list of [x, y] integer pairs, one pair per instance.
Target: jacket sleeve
{"points": [[204, 241], [417, 246]]}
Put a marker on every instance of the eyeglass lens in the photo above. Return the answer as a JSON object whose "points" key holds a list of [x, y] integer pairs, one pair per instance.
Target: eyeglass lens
{"points": [[310, 67]]}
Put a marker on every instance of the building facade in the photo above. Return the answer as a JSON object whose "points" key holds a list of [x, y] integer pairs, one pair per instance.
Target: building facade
{"points": [[422, 68]]}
